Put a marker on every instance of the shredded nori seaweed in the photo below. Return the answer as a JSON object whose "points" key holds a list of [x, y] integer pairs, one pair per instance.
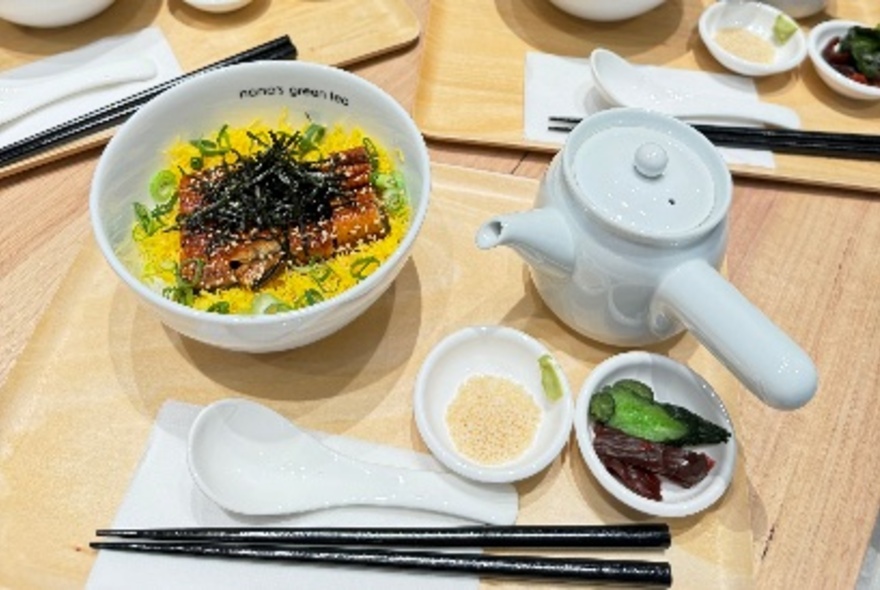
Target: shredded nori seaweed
{"points": [[267, 191]]}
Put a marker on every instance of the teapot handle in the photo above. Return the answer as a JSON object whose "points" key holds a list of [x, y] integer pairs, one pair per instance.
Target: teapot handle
{"points": [[763, 357]]}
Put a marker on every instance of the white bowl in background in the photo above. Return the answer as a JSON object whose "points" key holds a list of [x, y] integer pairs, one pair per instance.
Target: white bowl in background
{"points": [[798, 8], [51, 13], [820, 36], [758, 19], [503, 352], [236, 96], [674, 383], [218, 6], [606, 10]]}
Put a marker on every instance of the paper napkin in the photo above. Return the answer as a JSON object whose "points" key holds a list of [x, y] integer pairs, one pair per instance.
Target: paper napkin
{"points": [[149, 42], [563, 86], [162, 494]]}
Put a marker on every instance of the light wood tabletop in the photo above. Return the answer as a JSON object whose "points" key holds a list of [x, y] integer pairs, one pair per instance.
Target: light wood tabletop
{"points": [[808, 257]]}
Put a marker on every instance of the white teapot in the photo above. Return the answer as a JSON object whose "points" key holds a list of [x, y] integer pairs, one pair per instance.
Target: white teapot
{"points": [[628, 229]]}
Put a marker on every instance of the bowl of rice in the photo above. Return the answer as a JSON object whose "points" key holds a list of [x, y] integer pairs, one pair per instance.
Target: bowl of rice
{"points": [[263, 206]]}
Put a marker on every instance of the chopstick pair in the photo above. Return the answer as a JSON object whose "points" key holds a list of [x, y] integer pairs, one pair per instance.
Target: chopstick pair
{"points": [[117, 112], [356, 547], [806, 143]]}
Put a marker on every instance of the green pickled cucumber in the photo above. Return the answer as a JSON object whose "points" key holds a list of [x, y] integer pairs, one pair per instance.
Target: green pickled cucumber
{"points": [[632, 409]]}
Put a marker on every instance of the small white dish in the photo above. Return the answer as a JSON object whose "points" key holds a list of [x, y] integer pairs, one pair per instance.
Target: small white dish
{"points": [[606, 10], [818, 39], [503, 352], [798, 8], [217, 6], [674, 383], [51, 13], [757, 19]]}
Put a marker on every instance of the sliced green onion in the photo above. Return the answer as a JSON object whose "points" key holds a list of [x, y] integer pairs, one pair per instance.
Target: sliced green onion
{"points": [[221, 307], [223, 141], [165, 208], [207, 147], [310, 297], [362, 267], [163, 186], [372, 152], [309, 140], [196, 163], [184, 291], [266, 303], [148, 223]]}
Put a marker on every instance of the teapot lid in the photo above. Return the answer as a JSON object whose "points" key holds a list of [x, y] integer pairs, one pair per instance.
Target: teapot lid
{"points": [[647, 175]]}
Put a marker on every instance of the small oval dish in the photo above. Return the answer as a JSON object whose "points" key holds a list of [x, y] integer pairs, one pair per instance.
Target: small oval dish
{"points": [[741, 36], [672, 383], [504, 355], [819, 39]]}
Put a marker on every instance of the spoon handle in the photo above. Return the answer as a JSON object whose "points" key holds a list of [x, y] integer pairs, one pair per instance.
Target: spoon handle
{"points": [[434, 491], [25, 99], [751, 112]]}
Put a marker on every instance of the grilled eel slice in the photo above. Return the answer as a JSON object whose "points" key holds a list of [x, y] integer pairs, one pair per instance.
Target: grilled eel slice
{"points": [[349, 215]]}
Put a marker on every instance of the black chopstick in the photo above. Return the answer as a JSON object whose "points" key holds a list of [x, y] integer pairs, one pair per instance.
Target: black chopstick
{"points": [[569, 536], [628, 572], [117, 112], [809, 143]]}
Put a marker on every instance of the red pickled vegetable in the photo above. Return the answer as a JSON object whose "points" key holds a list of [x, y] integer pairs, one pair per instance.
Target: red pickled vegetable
{"points": [[642, 482], [632, 460]]}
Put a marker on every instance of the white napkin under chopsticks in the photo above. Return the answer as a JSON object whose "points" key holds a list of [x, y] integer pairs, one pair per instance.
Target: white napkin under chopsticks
{"points": [[149, 42], [162, 494], [563, 86]]}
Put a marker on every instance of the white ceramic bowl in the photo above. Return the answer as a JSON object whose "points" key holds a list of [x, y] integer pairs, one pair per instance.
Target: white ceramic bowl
{"points": [[675, 383], [606, 10], [755, 18], [218, 6], [818, 39], [50, 13], [499, 351], [798, 8], [237, 96]]}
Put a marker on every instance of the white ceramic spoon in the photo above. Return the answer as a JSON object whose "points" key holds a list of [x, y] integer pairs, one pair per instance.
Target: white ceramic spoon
{"points": [[18, 99], [251, 460], [622, 84]]}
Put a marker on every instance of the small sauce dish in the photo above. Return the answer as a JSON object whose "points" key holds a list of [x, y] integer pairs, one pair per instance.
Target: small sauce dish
{"points": [[820, 37], [672, 383], [740, 35], [501, 353]]}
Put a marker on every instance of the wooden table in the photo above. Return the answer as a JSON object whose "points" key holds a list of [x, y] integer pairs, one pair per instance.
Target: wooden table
{"points": [[807, 257]]}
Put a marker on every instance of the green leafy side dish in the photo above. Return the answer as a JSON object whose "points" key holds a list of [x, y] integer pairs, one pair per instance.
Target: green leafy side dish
{"points": [[864, 46], [629, 406]]}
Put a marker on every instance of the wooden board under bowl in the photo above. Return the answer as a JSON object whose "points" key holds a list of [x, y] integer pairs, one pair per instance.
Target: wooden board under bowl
{"points": [[472, 77], [79, 404]]}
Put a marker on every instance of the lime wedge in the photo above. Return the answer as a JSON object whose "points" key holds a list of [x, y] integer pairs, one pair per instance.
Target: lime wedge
{"points": [[783, 29], [550, 378]]}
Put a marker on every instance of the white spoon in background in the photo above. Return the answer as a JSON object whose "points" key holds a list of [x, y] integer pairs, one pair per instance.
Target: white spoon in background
{"points": [[622, 84], [20, 98], [251, 460]]}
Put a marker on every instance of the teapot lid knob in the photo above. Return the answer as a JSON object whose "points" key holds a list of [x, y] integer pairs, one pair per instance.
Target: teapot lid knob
{"points": [[651, 160]]}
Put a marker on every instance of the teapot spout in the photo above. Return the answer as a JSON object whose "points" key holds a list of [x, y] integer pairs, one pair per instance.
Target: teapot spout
{"points": [[540, 236]]}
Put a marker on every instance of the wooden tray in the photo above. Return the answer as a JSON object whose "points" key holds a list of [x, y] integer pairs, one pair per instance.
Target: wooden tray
{"points": [[471, 81], [335, 32], [78, 406]]}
